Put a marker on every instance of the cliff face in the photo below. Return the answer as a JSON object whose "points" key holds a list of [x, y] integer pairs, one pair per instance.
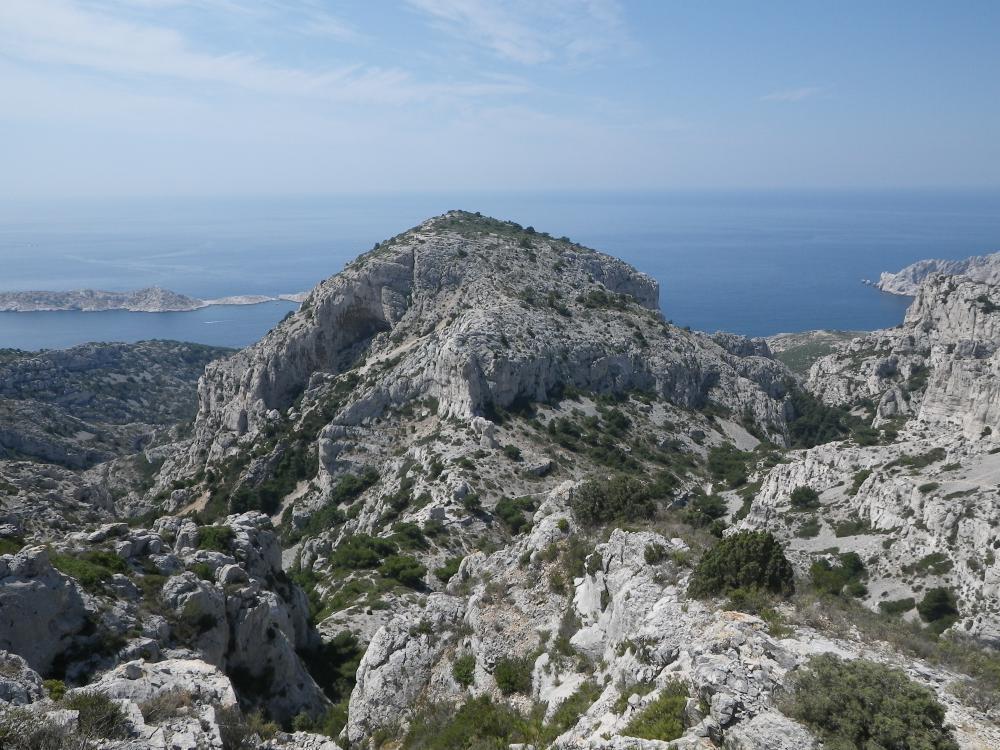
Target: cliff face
{"points": [[985, 268], [925, 490], [939, 364]]}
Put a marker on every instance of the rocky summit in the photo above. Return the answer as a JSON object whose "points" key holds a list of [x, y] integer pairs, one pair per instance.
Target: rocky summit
{"points": [[478, 493]]}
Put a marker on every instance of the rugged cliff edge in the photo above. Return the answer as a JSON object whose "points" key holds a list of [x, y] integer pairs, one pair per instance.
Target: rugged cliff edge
{"points": [[478, 493], [985, 268]]}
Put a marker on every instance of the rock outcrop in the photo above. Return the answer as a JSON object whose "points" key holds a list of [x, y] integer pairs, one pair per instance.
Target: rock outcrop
{"points": [[984, 268]]}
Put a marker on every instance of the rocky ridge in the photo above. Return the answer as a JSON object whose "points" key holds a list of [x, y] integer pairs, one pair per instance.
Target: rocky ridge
{"points": [[985, 268]]}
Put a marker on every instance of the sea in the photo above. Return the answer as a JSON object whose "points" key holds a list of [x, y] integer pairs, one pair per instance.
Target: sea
{"points": [[752, 262]]}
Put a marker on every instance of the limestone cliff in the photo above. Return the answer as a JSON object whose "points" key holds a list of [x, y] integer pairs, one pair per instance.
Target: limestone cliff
{"points": [[985, 268]]}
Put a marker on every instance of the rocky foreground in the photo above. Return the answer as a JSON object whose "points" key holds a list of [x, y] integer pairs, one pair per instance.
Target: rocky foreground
{"points": [[478, 493]]}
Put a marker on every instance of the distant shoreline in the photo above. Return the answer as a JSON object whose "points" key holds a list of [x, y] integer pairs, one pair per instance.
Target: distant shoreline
{"points": [[149, 300]]}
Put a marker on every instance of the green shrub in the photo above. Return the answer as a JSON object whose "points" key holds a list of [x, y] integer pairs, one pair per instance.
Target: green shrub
{"points": [[845, 577], [512, 452], [704, 509], [204, 571], [217, 538], [621, 498], [89, 569], [333, 665], [804, 497], [511, 512], [55, 688], [99, 716], [857, 480], [896, 607], [746, 560], [654, 553], [918, 461], [463, 669], [936, 563], [938, 609], [405, 569], [569, 711], [928, 487], [809, 528], [813, 422], [514, 675], [450, 568], [860, 704], [478, 724], [10, 546], [728, 464], [360, 551], [663, 718]]}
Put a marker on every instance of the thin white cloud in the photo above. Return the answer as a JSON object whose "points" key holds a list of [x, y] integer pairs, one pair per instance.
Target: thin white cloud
{"points": [[57, 32], [531, 32], [792, 95]]}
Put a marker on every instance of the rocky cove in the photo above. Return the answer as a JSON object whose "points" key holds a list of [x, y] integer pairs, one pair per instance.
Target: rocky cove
{"points": [[476, 492]]}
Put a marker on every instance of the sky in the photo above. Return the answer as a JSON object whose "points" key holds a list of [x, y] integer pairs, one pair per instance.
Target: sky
{"points": [[263, 97]]}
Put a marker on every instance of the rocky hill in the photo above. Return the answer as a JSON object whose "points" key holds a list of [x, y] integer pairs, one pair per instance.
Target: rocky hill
{"points": [[478, 493], [985, 268]]}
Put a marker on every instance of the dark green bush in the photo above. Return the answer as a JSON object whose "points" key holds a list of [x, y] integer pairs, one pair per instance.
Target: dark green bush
{"points": [[511, 512], [703, 509], [514, 675], [512, 452], [405, 569], [728, 464], [620, 498], [858, 479], [463, 669], [360, 551], [216, 538], [845, 577], [938, 609], [813, 422], [746, 560], [450, 568], [861, 704], [897, 607], [663, 719], [804, 497], [478, 724]]}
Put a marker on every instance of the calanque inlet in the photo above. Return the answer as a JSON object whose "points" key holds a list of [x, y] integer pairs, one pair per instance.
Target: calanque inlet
{"points": [[478, 494]]}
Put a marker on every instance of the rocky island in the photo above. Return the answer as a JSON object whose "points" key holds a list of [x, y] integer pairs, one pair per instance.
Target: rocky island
{"points": [[477, 493], [149, 300]]}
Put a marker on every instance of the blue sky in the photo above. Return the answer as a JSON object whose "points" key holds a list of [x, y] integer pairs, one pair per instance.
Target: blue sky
{"points": [[191, 97]]}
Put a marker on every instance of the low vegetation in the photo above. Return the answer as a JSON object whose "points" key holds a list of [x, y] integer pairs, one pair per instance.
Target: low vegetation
{"points": [[745, 560], [663, 718], [861, 704]]}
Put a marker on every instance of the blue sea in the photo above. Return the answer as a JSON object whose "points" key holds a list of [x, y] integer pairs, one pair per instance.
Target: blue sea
{"points": [[755, 263]]}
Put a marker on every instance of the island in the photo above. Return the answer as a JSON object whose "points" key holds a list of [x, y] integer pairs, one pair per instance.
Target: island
{"points": [[152, 299]]}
